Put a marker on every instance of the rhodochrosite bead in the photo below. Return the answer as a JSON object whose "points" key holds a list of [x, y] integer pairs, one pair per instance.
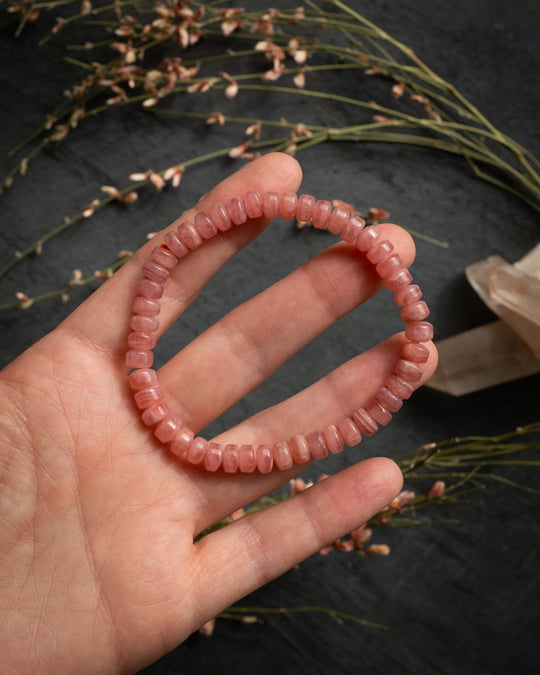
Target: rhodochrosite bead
{"points": [[305, 445]]}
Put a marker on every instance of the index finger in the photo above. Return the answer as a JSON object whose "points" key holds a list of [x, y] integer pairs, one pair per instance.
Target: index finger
{"points": [[102, 321]]}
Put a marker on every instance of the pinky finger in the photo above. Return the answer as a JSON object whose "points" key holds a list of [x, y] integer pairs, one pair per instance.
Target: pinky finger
{"points": [[252, 551]]}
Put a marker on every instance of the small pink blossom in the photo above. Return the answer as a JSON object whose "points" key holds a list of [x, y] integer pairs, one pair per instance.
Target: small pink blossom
{"points": [[129, 197], [111, 191], [403, 498], [422, 100], [378, 549], [89, 209], [25, 301], [361, 535], [207, 629], [239, 150], [274, 73], [338, 203], [232, 88], [231, 19], [300, 79], [375, 215], [236, 515], [151, 101], [436, 490], [398, 89], [300, 130], [254, 130], [215, 118], [154, 178], [174, 174]]}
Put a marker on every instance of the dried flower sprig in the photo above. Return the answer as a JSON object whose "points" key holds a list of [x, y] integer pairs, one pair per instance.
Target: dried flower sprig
{"points": [[445, 119], [252, 615], [299, 137]]}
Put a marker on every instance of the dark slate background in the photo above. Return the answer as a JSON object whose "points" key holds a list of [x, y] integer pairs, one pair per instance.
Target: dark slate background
{"points": [[459, 597]]}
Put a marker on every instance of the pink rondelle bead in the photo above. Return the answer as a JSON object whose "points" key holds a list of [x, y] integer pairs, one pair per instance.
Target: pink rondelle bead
{"points": [[196, 451], [137, 358], [175, 245], [149, 289], [321, 213], [271, 205], [230, 458], [154, 414], [181, 441], [247, 462], [254, 204], [415, 311], [300, 449], [349, 432], [146, 398], [162, 256], [214, 456], [221, 218], [304, 208], [265, 460], [419, 331], [287, 205], [367, 238], [338, 219], [388, 399], [143, 324], [390, 266], [282, 455], [205, 226], [236, 210], [188, 235], [408, 294], [317, 444], [167, 429], [352, 229], [414, 352], [398, 279], [379, 413], [407, 370], [399, 387], [334, 440], [146, 306], [380, 251], [155, 272], [365, 422], [142, 378], [137, 340]]}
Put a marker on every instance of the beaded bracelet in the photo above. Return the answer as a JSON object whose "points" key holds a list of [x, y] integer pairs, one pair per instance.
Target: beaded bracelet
{"points": [[301, 448]]}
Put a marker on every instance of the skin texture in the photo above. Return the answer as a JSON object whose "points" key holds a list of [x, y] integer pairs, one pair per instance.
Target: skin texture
{"points": [[98, 569]]}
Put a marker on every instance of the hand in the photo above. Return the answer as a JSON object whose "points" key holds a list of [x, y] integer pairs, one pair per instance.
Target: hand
{"points": [[98, 569]]}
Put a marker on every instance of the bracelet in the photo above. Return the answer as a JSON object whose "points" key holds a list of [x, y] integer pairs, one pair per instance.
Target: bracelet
{"points": [[301, 448]]}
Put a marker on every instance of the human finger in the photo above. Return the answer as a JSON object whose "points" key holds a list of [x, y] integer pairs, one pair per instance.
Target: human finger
{"points": [[329, 401], [103, 320], [252, 341], [252, 551]]}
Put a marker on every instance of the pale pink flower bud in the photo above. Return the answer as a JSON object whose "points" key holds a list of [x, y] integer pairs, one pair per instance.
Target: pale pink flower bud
{"points": [[436, 490], [207, 629], [398, 89], [300, 79], [378, 549], [215, 118]]}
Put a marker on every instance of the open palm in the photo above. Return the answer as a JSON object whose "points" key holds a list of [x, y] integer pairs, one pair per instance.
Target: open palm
{"points": [[98, 569]]}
